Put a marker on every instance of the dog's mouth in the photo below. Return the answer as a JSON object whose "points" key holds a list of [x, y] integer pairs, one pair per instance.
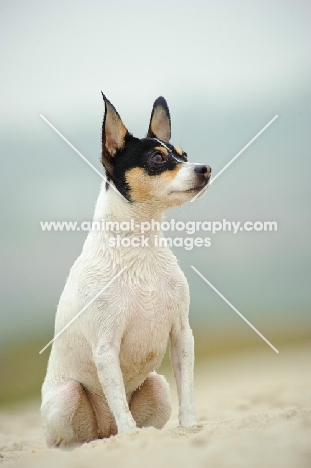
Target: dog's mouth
{"points": [[197, 188]]}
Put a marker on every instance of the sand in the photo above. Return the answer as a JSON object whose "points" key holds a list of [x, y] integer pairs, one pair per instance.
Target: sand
{"points": [[254, 410]]}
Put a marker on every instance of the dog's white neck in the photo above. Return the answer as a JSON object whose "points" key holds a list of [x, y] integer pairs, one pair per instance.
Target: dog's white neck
{"points": [[110, 207]]}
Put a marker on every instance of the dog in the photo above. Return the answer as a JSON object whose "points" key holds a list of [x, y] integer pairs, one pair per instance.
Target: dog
{"points": [[101, 378]]}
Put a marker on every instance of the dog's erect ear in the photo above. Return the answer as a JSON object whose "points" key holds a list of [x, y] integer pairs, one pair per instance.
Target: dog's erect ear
{"points": [[160, 122], [114, 131]]}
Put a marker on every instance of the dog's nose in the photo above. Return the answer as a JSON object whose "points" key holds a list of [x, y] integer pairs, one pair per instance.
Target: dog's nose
{"points": [[204, 170]]}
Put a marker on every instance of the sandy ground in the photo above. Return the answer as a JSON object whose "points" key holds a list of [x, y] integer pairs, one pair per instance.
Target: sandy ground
{"points": [[254, 410]]}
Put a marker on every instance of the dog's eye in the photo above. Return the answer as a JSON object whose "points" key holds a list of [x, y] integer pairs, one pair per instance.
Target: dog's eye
{"points": [[157, 158]]}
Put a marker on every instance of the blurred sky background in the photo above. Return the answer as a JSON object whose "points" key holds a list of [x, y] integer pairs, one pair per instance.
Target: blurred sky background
{"points": [[226, 69]]}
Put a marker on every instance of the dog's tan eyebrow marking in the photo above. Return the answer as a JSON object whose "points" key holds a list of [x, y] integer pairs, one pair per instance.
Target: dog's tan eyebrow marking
{"points": [[162, 150], [168, 150], [178, 150], [163, 145]]}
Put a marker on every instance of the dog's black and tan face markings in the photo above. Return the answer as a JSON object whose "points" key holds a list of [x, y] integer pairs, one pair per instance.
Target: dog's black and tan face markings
{"points": [[141, 169]]}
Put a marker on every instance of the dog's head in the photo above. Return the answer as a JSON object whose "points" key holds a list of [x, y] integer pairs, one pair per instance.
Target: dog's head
{"points": [[149, 169]]}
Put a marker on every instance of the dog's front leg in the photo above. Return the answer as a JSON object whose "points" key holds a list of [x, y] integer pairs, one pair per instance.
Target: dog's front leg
{"points": [[110, 377], [182, 359]]}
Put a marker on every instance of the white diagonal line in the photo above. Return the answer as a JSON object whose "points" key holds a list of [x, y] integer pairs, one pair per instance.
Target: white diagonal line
{"points": [[83, 157], [82, 310], [235, 157], [235, 310]]}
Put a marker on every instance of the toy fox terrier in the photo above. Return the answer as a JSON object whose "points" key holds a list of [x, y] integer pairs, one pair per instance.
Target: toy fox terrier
{"points": [[101, 377]]}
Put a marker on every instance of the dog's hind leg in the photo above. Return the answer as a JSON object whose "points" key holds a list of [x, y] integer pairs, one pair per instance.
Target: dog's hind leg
{"points": [[67, 415], [150, 404]]}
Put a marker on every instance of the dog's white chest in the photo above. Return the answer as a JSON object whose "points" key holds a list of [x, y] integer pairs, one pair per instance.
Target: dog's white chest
{"points": [[153, 305]]}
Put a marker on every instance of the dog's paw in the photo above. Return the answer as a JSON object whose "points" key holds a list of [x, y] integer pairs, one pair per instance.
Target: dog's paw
{"points": [[188, 423], [187, 419]]}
